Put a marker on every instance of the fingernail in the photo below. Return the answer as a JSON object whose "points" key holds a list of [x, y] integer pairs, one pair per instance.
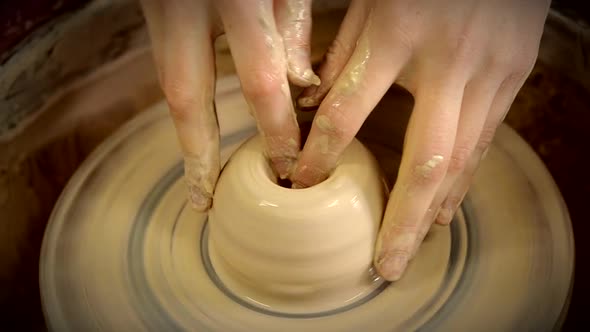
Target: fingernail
{"points": [[304, 78], [445, 216], [198, 198], [392, 267], [311, 77]]}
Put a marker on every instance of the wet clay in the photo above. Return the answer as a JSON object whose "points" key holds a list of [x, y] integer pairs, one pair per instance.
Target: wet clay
{"points": [[297, 250]]}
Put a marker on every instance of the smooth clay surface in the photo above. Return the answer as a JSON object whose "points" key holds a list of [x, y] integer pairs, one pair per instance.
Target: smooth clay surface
{"points": [[297, 250]]}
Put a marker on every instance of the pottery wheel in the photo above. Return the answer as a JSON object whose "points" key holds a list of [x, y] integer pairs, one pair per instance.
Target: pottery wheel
{"points": [[124, 252]]}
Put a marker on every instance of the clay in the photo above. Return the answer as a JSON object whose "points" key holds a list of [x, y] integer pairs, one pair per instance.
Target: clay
{"points": [[297, 250], [425, 169]]}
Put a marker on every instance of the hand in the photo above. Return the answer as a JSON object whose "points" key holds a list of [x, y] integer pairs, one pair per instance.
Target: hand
{"points": [[464, 62], [270, 44]]}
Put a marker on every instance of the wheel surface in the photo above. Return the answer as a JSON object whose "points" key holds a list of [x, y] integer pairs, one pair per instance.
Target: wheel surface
{"points": [[124, 252]]}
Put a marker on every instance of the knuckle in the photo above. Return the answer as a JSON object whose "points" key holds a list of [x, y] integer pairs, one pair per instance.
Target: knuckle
{"points": [[459, 159], [402, 37], [260, 84], [295, 36], [340, 133], [501, 62], [518, 75], [485, 139], [462, 48], [339, 46], [281, 146], [297, 44], [402, 236], [182, 98], [402, 252], [404, 227], [335, 123], [515, 65]]}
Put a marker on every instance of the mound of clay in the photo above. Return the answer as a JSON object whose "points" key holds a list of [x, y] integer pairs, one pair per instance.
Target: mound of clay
{"points": [[296, 250]]}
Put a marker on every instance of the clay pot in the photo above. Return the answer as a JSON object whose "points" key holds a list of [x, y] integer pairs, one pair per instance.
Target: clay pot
{"points": [[297, 250]]}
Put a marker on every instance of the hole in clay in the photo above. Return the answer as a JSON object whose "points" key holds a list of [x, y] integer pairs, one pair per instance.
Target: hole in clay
{"points": [[285, 183]]}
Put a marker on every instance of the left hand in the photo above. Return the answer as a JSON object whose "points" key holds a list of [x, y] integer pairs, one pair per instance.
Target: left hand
{"points": [[463, 60], [269, 42]]}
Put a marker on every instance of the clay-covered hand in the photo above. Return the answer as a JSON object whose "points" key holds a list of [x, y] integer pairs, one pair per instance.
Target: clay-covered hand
{"points": [[269, 41], [464, 62]]}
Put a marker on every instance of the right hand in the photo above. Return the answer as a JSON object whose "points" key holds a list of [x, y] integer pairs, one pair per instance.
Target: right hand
{"points": [[464, 62], [269, 41]]}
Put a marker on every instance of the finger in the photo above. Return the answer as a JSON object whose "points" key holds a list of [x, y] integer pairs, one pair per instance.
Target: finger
{"points": [[424, 164], [477, 100], [260, 61], [365, 79], [294, 25], [432, 211], [499, 106], [428, 219], [338, 54], [186, 66]]}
